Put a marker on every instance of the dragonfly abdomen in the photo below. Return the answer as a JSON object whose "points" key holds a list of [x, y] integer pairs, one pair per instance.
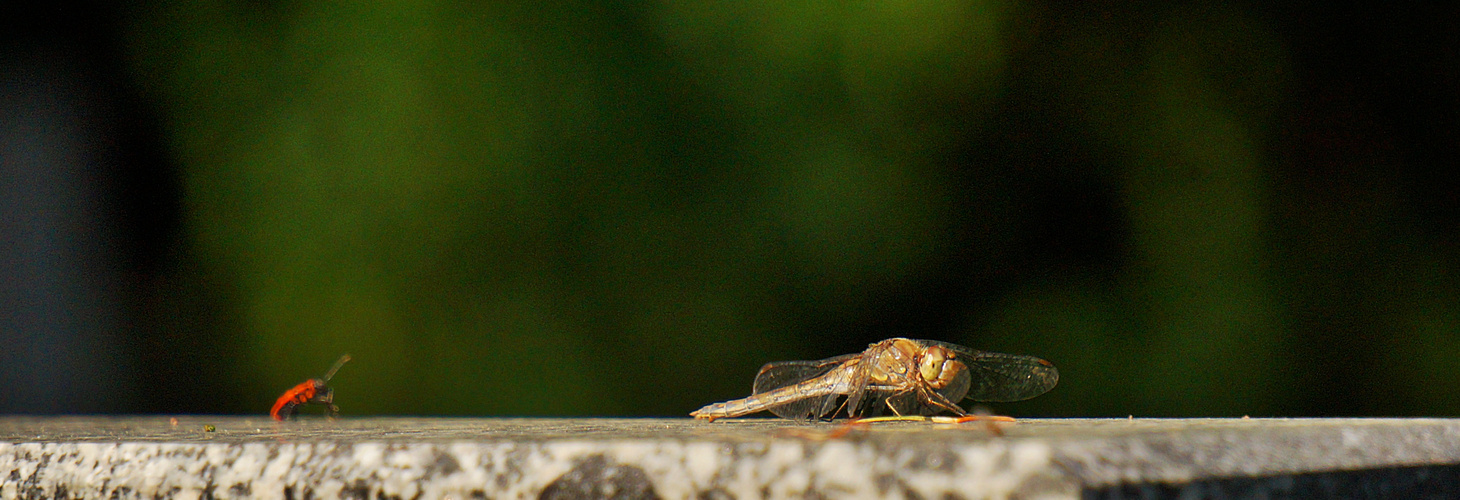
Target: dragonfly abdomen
{"points": [[821, 387]]}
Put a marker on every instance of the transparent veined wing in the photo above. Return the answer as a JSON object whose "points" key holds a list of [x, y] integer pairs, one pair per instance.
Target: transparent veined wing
{"points": [[784, 374]]}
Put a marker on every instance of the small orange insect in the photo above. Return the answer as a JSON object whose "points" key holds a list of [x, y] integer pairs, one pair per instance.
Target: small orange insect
{"points": [[312, 391]]}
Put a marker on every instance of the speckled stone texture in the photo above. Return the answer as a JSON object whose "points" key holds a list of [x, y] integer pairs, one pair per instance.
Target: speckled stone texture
{"points": [[243, 457]]}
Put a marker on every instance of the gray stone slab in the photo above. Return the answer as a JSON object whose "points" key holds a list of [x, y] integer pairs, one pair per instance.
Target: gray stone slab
{"points": [[244, 457]]}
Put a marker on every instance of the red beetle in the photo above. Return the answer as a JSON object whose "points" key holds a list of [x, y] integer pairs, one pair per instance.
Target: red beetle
{"points": [[313, 391]]}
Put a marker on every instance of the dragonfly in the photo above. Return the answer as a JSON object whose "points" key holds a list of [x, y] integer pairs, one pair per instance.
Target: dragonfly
{"points": [[905, 376]]}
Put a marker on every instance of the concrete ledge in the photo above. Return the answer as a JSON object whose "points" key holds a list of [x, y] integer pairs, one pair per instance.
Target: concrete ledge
{"points": [[242, 457]]}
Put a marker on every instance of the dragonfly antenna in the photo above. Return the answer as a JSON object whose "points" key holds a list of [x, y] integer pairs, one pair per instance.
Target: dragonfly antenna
{"points": [[330, 374]]}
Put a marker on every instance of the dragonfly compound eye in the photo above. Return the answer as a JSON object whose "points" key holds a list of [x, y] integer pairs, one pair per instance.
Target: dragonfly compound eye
{"points": [[931, 366]]}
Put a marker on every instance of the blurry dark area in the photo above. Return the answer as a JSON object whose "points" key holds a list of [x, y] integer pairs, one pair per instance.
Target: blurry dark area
{"points": [[92, 238], [610, 208]]}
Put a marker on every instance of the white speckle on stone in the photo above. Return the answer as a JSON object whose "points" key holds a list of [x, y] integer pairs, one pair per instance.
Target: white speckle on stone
{"points": [[303, 454], [369, 455], [330, 488], [701, 462], [841, 463], [467, 457], [244, 467], [405, 467], [1352, 438], [280, 465], [783, 468]]}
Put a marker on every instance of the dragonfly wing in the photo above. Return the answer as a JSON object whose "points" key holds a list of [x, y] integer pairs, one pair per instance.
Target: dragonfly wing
{"points": [[996, 376], [782, 374], [809, 408], [864, 400]]}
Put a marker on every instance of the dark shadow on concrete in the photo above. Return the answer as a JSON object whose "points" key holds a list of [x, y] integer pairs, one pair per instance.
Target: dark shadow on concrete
{"points": [[1434, 481]]}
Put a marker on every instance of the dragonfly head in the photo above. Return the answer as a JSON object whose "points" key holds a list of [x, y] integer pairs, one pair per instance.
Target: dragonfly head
{"points": [[938, 366]]}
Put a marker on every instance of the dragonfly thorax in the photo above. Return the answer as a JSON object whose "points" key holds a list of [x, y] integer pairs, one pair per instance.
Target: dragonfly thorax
{"points": [[893, 361]]}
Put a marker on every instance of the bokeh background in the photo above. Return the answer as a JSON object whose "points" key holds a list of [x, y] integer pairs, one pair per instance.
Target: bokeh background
{"points": [[624, 208]]}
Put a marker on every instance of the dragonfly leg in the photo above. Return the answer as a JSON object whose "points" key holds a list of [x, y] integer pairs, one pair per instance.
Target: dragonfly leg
{"points": [[888, 402], [942, 402], [895, 394], [839, 408]]}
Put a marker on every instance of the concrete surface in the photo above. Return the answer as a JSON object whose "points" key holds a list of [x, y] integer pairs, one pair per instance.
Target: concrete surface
{"points": [[253, 457]]}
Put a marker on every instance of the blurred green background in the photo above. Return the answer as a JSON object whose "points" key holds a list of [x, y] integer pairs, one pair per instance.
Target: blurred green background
{"points": [[625, 208]]}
